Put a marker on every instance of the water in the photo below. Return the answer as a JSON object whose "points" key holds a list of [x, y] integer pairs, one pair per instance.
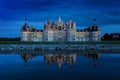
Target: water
{"points": [[59, 66]]}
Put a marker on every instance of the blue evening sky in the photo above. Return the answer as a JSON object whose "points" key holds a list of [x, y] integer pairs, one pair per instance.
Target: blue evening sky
{"points": [[13, 13]]}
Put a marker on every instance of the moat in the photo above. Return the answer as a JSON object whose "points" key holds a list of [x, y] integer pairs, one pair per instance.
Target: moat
{"points": [[84, 65]]}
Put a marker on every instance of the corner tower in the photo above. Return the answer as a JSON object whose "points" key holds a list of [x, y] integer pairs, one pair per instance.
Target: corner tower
{"points": [[95, 31], [25, 31]]}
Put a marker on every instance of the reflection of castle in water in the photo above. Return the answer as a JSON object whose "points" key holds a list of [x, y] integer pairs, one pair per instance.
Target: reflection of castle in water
{"points": [[94, 57], [60, 59], [26, 57]]}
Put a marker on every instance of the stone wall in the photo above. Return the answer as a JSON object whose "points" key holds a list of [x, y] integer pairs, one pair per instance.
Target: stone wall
{"points": [[59, 47]]}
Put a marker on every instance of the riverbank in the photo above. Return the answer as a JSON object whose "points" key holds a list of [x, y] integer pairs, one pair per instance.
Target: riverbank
{"points": [[54, 43], [58, 47], [62, 52]]}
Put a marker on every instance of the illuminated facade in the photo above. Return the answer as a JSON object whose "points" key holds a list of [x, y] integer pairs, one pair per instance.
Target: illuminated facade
{"points": [[60, 32]]}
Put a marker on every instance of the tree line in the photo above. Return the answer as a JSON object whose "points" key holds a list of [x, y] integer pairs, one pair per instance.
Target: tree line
{"points": [[9, 39], [111, 36]]}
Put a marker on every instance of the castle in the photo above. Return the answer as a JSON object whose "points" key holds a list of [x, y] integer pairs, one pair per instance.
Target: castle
{"points": [[60, 32]]}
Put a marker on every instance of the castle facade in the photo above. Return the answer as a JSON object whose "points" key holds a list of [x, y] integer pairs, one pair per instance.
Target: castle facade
{"points": [[60, 32]]}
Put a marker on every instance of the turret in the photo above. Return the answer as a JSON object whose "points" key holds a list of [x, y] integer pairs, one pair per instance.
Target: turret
{"points": [[94, 27], [59, 20], [25, 26], [74, 25], [48, 22], [70, 21]]}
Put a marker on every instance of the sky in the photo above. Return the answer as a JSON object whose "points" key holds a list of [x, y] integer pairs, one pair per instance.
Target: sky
{"points": [[14, 12]]}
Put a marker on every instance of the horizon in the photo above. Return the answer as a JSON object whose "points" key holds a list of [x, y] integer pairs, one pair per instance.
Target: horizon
{"points": [[13, 13]]}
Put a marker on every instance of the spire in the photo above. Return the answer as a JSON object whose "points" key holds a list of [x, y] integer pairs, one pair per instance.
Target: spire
{"points": [[26, 21], [25, 26], [70, 20], [59, 19], [74, 25], [48, 21], [94, 27], [94, 21]]}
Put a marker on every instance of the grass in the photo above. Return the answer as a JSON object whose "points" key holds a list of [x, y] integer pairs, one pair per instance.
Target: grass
{"points": [[47, 43]]}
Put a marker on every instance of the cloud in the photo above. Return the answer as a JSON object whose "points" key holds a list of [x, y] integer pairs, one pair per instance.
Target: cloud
{"points": [[33, 5], [103, 4], [13, 12]]}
